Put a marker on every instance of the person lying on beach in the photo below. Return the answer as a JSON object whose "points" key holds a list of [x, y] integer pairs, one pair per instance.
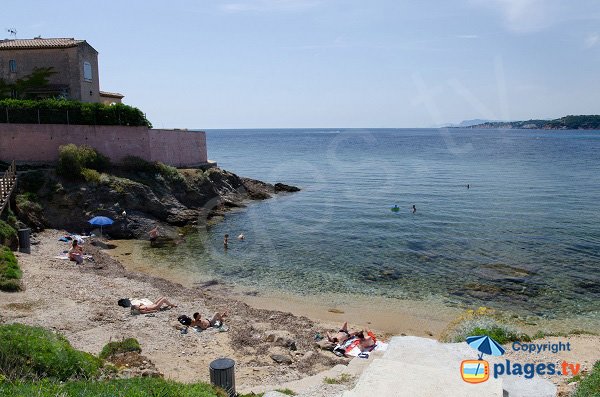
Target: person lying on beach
{"points": [[205, 323], [76, 253], [360, 344], [144, 306], [342, 335]]}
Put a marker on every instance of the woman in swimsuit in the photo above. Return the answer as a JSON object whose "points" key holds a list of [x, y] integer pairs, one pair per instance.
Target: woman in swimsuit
{"points": [[155, 307]]}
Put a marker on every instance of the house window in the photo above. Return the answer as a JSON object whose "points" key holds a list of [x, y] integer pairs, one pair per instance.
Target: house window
{"points": [[12, 65], [87, 71]]}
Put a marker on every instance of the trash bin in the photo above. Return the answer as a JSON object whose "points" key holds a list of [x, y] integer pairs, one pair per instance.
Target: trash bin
{"points": [[24, 240], [222, 374]]}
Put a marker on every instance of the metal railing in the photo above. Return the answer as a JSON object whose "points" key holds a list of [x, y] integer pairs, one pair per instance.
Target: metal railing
{"points": [[7, 185]]}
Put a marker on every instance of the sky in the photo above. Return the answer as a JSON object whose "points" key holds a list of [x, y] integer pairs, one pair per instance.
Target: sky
{"points": [[333, 63]]}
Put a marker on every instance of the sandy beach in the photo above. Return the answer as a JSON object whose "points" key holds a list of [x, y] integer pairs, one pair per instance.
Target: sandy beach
{"points": [[81, 303]]}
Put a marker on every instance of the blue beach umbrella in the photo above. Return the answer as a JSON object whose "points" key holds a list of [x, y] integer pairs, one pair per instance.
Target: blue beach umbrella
{"points": [[100, 221], [485, 345]]}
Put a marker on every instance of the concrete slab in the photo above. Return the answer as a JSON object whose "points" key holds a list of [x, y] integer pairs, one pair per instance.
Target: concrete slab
{"points": [[518, 386], [390, 378]]}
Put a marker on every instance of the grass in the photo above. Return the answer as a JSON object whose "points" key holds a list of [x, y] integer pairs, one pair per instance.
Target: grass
{"points": [[287, 392], [590, 385], [126, 345], [7, 232], [343, 378], [10, 273], [134, 387], [32, 353]]}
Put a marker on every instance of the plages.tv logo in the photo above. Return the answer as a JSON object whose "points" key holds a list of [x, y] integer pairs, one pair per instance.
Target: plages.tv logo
{"points": [[477, 371]]}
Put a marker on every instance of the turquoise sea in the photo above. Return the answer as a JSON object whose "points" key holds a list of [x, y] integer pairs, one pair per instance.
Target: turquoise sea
{"points": [[524, 237]]}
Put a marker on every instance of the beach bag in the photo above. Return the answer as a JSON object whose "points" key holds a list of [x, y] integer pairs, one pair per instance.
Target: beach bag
{"points": [[184, 320]]}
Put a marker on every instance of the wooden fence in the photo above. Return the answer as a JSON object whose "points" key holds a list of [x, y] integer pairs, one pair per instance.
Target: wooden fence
{"points": [[7, 185]]}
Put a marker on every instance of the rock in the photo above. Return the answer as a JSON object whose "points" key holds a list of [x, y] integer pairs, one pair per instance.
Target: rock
{"points": [[281, 359], [282, 187], [281, 338], [145, 197]]}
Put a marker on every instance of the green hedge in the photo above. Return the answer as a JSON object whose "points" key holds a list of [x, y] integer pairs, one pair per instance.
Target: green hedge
{"points": [[32, 353], [10, 273], [61, 111]]}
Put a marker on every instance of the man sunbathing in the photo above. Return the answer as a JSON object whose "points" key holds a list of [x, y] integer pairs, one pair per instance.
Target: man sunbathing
{"points": [[144, 306], [204, 323]]}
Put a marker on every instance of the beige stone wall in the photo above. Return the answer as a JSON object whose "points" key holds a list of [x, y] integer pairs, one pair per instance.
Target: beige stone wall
{"points": [[67, 62], [39, 143]]}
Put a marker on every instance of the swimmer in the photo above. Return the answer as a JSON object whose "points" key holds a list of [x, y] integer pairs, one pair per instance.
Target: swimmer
{"points": [[241, 237]]}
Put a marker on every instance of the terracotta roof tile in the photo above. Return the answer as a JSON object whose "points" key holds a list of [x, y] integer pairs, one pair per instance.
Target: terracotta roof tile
{"points": [[38, 43]]}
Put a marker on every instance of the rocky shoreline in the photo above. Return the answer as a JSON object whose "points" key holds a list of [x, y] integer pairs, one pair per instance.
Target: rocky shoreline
{"points": [[136, 200]]}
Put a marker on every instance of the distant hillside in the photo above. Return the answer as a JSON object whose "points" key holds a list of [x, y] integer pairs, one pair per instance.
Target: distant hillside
{"points": [[590, 122]]}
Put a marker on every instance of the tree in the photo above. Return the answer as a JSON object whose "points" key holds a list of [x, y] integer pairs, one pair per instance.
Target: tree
{"points": [[22, 88]]}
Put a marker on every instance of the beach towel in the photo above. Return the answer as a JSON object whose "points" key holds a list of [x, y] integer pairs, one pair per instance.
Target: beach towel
{"points": [[66, 257], [351, 347]]}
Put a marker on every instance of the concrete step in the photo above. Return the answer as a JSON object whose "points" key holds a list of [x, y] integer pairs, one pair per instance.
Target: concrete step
{"points": [[390, 378]]}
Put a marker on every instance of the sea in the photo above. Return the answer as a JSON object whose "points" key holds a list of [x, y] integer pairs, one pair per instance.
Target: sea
{"points": [[507, 219]]}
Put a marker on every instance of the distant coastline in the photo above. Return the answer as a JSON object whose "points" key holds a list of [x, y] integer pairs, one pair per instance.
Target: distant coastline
{"points": [[583, 122]]}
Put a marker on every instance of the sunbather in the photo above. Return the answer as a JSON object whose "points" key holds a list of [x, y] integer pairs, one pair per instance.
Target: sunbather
{"points": [[144, 306], [76, 253], [342, 335], [204, 323]]}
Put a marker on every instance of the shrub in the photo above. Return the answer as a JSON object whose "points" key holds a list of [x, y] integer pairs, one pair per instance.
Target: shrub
{"points": [[126, 345], [90, 175], [171, 174], [137, 164], [31, 181], [31, 353], [73, 159], [590, 385], [7, 233], [482, 322], [10, 273], [134, 387]]}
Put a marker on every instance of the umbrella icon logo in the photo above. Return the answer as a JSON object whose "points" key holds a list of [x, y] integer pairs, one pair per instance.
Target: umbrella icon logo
{"points": [[478, 371]]}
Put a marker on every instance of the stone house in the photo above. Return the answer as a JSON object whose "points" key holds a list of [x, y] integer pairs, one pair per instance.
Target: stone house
{"points": [[74, 61]]}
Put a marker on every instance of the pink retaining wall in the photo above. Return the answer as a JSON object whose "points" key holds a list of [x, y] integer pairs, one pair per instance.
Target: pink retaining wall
{"points": [[39, 143]]}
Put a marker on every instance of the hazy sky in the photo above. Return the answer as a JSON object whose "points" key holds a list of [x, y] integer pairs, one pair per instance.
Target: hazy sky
{"points": [[334, 63]]}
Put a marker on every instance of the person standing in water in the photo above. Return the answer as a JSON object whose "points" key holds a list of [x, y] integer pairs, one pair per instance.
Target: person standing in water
{"points": [[414, 209], [468, 186], [226, 241]]}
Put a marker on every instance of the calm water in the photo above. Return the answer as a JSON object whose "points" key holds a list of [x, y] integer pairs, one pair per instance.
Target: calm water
{"points": [[524, 237]]}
